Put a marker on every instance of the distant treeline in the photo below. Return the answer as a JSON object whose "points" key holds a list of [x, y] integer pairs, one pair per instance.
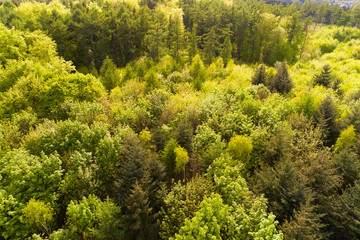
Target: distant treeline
{"points": [[249, 31]]}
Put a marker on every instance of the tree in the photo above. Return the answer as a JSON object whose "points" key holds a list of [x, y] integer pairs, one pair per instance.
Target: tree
{"points": [[212, 221], [324, 78], [38, 215], [282, 82], [169, 156], [197, 71], [151, 81], [240, 148], [92, 218], [181, 203], [259, 76], [231, 212], [155, 38], [181, 159], [26, 176], [326, 120], [108, 74], [347, 139], [138, 216], [210, 47], [226, 52], [351, 201], [192, 44], [176, 35]]}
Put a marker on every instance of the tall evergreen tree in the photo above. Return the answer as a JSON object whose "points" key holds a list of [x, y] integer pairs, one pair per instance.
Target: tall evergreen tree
{"points": [[326, 120], [192, 43], [282, 82], [259, 76], [175, 36], [108, 74], [324, 78], [211, 42], [138, 216]]}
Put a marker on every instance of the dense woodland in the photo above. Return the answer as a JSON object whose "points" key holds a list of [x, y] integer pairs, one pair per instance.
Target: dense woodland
{"points": [[208, 119]]}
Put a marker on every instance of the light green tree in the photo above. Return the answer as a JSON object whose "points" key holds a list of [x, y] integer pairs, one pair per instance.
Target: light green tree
{"points": [[38, 215], [181, 159]]}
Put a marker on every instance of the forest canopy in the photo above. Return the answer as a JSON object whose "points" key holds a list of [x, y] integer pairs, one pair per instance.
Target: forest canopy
{"points": [[179, 120]]}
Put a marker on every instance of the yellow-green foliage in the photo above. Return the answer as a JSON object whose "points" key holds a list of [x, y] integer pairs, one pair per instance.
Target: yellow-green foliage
{"points": [[347, 139], [38, 215], [342, 58], [181, 159], [240, 148]]}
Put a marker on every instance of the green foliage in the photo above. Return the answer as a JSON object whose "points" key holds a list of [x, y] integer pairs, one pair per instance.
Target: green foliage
{"points": [[138, 217], [108, 74], [346, 139], [209, 222], [326, 120], [282, 82], [108, 131], [93, 218], [244, 217], [240, 148], [151, 81], [350, 201], [169, 156], [181, 203], [324, 78], [10, 214], [197, 71], [26, 176], [259, 76], [208, 144], [38, 215], [181, 159]]}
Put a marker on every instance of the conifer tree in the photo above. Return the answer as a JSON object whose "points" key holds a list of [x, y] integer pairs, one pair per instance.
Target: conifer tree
{"points": [[138, 215], [282, 82], [175, 36], [226, 50], [326, 121], [108, 74], [192, 44], [210, 45], [324, 78], [259, 76]]}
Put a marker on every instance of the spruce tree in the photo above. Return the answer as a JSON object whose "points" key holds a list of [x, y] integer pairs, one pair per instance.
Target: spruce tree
{"points": [[259, 76], [324, 78], [282, 82], [138, 215], [326, 120]]}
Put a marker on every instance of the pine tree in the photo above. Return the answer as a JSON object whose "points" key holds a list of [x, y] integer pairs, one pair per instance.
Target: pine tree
{"points": [[282, 82], [210, 45], [226, 50], [175, 36], [259, 76], [324, 78], [192, 44]]}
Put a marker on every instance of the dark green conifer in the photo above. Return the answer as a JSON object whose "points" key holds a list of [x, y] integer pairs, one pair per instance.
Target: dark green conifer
{"points": [[324, 78], [259, 76], [326, 121], [282, 82]]}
